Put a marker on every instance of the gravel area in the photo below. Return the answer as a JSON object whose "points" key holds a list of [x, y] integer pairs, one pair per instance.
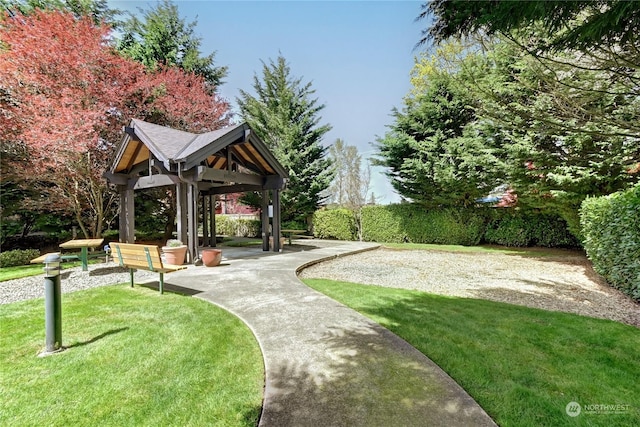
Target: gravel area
{"points": [[563, 281], [72, 279]]}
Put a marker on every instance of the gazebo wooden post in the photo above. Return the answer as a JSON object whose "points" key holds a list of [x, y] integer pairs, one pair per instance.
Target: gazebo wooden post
{"points": [[276, 220], [264, 214], [127, 217], [192, 221], [205, 222], [212, 220], [181, 212]]}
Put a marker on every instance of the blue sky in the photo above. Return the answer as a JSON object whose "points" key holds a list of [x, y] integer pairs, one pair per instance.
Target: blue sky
{"points": [[357, 54]]}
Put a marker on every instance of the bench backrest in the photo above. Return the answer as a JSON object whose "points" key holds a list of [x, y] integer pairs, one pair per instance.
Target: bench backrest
{"points": [[132, 255]]}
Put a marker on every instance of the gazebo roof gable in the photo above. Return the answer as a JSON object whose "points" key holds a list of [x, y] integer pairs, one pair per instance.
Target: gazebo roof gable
{"points": [[171, 146]]}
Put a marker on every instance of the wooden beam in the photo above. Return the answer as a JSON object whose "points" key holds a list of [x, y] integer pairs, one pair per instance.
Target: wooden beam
{"points": [[205, 222], [140, 167], [274, 182], [116, 178], [249, 161], [260, 161], [136, 151], [212, 219], [155, 163], [234, 188], [153, 181], [204, 173], [127, 216], [181, 211], [192, 221], [276, 221], [264, 215]]}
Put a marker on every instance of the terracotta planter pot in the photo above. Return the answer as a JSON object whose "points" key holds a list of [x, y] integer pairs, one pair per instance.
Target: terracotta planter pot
{"points": [[174, 254], [211, 257]]}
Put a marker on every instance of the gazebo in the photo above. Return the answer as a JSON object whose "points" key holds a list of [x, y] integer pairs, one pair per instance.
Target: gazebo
{"points": [[199, 166]]}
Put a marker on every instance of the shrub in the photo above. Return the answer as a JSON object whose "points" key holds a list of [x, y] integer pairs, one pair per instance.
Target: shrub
{"points": [[509, 230], [240, 227], [529, 228], [611, 229], [413, 223], [337, 224], [18, 257], [383, 224]]}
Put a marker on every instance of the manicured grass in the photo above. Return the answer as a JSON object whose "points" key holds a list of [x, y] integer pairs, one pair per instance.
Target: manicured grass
{"points": [[134, 357], [20, 271], [522, 365], [243, 243]]}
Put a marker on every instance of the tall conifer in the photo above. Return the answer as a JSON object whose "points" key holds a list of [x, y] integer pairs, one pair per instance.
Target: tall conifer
{"points": [[286, 117]]}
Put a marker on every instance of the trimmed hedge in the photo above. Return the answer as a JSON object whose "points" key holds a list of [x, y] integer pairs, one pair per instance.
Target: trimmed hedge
{"points": [[240, 227], [522, 228], [611, 229], [337, 224], [413, 223], [18, 257]]}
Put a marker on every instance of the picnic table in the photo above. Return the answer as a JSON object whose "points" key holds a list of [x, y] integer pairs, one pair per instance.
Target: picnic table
{"points": [[288, 233], [41, 258], [83, 245]]}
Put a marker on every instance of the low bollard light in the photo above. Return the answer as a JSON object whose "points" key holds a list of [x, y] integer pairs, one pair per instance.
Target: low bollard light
{"points": [[107, 251], [52, 305]]}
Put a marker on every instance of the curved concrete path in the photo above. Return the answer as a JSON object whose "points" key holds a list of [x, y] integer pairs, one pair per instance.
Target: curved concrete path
{"points": [[325, 364]]}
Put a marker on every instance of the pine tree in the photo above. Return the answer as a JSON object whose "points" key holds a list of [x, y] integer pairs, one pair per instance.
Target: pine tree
{"points": [[164, 39], [286, 117], [432, 153]]}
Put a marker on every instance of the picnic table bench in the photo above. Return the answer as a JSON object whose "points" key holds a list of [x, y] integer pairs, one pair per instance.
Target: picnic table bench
{"points": [[289, 233], [143, 257]]}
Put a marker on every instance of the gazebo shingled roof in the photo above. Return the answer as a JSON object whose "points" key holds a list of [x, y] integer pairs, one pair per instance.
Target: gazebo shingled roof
{"points": [[172, 146], [227, 160]]}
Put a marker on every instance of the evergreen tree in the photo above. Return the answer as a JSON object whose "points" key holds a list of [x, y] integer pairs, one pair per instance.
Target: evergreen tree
{"points": [[555, 134], [286, 117], [567, 132], [433, 154], [98, 10], [163, 39], [579, 24]]}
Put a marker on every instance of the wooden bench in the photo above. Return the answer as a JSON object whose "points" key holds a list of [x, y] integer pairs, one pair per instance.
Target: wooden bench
{"points": [[77, 256], [144, 257]]}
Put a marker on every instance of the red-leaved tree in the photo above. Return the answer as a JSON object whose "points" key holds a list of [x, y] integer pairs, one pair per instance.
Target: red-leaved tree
{"points": [[65, 94]]}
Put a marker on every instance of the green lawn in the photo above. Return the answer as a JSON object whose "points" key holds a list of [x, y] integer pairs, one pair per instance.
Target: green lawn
{"points": [[522, 365], [134, 357], [243, 243], [20, 271]]}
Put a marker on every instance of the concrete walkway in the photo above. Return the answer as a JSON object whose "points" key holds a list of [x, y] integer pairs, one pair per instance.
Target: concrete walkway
{"points": [[325, 364]]}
